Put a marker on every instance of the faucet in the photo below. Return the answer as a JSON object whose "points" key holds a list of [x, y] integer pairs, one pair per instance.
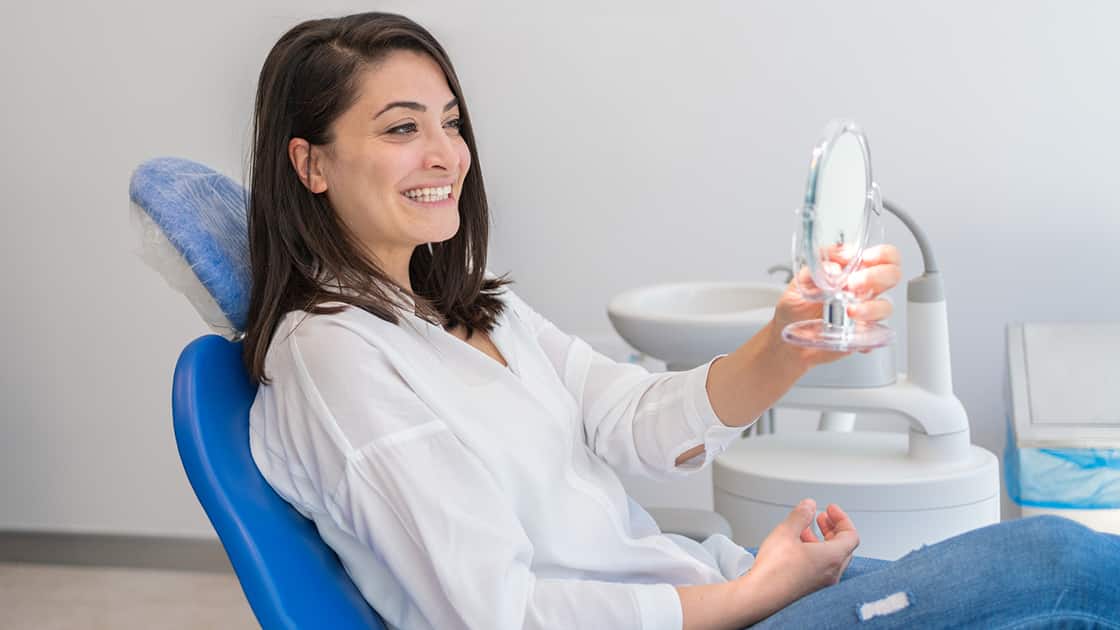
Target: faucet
{"points": [[786, 268]]}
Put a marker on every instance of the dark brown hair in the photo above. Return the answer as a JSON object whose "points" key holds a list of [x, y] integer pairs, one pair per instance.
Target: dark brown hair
{"points": [[309, 79]]}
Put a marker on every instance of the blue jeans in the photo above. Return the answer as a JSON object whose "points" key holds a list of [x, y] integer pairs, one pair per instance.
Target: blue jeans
{"points": [[1038, 572]]}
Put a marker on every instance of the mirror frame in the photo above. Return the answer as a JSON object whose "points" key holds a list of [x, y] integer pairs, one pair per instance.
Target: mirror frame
{"points": [[833, 131]]}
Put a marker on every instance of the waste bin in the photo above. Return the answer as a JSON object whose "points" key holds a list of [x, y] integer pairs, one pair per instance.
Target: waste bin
{"points": [[1063, 421]]}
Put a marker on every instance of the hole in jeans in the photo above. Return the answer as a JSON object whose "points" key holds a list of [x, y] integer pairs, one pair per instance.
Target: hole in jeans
{"points": [[886, 606]]}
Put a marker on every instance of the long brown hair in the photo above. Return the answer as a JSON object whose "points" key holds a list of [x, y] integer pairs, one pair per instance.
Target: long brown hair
{"points": [[309, 79]]}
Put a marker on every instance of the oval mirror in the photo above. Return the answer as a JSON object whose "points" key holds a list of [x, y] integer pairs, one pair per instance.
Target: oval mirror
{"points": [[832, 232]]}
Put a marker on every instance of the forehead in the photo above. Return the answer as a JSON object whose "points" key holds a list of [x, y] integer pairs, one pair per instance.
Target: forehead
{"points": [[404, 75]]}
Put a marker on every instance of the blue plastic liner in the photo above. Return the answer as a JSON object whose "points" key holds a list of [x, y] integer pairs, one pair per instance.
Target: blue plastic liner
{"points": [[202, 213], [1063, 478]]}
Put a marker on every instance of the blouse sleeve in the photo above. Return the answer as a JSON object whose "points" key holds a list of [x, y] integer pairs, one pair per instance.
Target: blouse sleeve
{"points": [[410, 490], [638, 422]]}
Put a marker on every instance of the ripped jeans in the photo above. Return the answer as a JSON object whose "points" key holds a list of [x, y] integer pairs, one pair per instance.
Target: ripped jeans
{"points": [[1038, 572]]}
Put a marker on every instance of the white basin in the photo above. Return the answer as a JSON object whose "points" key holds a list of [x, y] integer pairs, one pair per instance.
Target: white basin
{"points": [[686, 324]]}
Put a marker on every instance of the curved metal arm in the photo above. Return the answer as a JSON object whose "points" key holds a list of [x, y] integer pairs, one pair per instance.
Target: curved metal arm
{"points": [[920, 236]]}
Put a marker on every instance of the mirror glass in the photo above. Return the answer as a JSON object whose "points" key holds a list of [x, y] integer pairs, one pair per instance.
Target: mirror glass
{"points": [[840, 210]]}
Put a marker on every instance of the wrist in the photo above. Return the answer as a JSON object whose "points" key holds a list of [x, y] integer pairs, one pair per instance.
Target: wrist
{"points": [[786, 357], [717, 606], [744, 384], [750, 605]]}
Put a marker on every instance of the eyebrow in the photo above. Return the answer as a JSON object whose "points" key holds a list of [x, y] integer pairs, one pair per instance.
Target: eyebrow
{"points": [[414, 106]]}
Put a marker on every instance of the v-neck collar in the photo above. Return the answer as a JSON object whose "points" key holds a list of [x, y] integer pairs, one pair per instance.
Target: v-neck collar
{"points": [[498, 337]]}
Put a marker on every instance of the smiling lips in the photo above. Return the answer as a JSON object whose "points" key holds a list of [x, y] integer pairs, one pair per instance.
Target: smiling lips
{"points": [[429, 195]]}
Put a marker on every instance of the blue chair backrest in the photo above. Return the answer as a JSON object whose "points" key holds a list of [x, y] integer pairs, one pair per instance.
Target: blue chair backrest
{"points": [[291, 578]]}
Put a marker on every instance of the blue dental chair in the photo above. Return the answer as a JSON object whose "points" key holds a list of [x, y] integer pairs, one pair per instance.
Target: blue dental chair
{"points": [[192, 223], [289, 575]]}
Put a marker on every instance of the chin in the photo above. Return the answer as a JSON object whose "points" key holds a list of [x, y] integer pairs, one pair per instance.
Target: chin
{"points": [[437, 236], [448, 231]]}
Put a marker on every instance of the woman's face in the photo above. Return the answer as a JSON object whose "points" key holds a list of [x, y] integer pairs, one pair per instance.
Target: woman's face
{"points": [[394, 170]]}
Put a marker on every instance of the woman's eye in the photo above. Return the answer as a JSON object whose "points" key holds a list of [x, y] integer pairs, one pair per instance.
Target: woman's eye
{"points": [[401, 130], [454, 123]]}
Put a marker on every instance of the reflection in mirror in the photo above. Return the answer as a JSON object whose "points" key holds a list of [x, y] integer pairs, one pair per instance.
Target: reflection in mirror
{"points": [[841, 198]]}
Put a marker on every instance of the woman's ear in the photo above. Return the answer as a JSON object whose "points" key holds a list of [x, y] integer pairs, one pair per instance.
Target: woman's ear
{"points": [[307, 164]]}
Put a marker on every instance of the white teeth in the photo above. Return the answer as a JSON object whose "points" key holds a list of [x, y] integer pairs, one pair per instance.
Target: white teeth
{"points": [[428, 194]]}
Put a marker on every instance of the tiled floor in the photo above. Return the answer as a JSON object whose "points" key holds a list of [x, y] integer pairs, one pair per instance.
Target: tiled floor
{"points": [[50, 597]]}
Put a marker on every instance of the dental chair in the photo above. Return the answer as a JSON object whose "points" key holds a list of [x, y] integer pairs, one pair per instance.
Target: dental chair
{"points": [[290, 577], [192, 225]]}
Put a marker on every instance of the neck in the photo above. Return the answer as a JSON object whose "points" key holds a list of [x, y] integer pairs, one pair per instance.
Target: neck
{"points": [[401, 280], [395, 265]]}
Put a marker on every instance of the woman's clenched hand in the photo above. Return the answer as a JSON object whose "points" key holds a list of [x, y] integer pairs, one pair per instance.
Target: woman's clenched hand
{"points": [[792, 562]]}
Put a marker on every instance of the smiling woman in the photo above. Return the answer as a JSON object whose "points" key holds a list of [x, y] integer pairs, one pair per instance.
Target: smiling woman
{"points": [[476, 485], [363, 150]]}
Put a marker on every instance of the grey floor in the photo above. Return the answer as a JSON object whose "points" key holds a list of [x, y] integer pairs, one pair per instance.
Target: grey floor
{"points": [[49, 597]]}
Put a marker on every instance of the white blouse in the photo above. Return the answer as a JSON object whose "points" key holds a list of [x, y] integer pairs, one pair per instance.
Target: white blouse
{"points": [[459, 493]]}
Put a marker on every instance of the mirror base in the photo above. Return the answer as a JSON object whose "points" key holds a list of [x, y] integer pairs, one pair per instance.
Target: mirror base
{"points": [[817, 333]]}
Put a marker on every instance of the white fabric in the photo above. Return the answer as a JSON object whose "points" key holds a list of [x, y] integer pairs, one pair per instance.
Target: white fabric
{"points": [[459, 493]]}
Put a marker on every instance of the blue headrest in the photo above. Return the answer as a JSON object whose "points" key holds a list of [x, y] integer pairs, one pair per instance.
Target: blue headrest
{"points": [[201, 214]]}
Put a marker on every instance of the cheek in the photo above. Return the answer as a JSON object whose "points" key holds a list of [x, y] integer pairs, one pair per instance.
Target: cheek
{"points": [[464, 158]]}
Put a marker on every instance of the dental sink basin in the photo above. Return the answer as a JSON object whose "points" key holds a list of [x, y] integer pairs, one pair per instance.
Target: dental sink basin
{"points": [[686, 324]]}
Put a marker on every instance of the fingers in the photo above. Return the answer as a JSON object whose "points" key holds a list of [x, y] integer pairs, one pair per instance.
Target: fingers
{"points": [[808, 536], [803, 277], [833, 522], [885, 254], [843, 530], [802, 282], [846, 541], [800, 517], [840, 537], [870, 281], [806, 508], [841, 253], [880, 270], [825, 524], [872, 311], [839, 518], [831, 268]]}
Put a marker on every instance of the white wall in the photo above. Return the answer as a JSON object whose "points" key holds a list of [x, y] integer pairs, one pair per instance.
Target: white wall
{"points": [[622, 145]]}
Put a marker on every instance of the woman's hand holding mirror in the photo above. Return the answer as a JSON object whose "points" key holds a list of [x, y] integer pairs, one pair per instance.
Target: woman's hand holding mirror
{"points": [[879, 271]]}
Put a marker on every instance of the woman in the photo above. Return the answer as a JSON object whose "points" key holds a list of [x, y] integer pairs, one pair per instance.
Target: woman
{"points": [[460, 453]]}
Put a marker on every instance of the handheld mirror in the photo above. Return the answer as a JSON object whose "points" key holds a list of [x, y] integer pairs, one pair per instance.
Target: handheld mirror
{"points": [[833, 226]]}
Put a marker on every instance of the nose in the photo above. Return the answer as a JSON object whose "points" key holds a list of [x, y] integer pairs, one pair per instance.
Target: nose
{"points": [[439, 151]]}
